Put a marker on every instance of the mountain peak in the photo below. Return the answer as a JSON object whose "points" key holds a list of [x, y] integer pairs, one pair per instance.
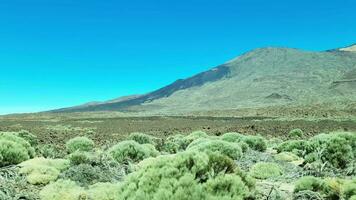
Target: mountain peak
{"points": [[351, 48]]}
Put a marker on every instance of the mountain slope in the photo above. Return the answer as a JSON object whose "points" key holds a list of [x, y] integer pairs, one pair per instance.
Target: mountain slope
{"points": [[260, 78]]}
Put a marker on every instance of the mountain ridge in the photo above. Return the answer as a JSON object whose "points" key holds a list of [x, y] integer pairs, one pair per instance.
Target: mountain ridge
{"points": [[261, 77]]}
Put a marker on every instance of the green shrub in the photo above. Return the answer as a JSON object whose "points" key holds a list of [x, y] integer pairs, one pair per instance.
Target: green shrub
{"points": [[232, 137], [298, 147], [99, 168], [29, 137], [265, 170], [69, 190], [187, 175], [142, 138], [287, 157], [338, 152], [62, 190], [50, 151], [230, 149], [349, 189], [4, 196], [307, 195], [79, 144], [310, 183], [80, 157], [175, 144], [296, 133], [195, 135], [103, 191], [42, 170], [14, 149], [257, 143], [131, 151], [12, 153]]}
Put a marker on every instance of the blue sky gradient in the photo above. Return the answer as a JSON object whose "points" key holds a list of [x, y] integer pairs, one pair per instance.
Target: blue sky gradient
{"points": [[59, 53]]}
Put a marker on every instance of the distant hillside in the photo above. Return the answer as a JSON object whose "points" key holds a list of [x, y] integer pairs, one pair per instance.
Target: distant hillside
{"points": [[260, 78]]}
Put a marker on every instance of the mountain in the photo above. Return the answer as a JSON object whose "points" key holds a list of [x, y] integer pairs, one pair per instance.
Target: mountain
{"points": [[260, 78]]}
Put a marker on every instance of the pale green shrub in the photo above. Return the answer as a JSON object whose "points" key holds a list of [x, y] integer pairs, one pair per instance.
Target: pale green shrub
{"points": [[29, 137], [185, 176], [62, 190], [349, 189], [142, 138], [257, 143], [103, 191], [131, 151], [42, 170], [50, 151], [79, 144], [265, 170], [175, 144], [80, 157], [230, 149], [287, 157], [69, 190], [232, 137], [310, 183], [296, 133], [14, 149]]}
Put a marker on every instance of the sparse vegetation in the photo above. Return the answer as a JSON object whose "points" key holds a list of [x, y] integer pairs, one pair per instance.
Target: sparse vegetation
{"points": [[196, 165]]}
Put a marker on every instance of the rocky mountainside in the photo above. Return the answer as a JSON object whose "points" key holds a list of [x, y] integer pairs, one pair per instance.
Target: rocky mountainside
{"points": [[260, 78]]}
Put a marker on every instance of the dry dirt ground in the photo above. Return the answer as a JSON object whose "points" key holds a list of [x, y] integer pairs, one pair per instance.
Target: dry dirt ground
{"points": [[110, 130]]}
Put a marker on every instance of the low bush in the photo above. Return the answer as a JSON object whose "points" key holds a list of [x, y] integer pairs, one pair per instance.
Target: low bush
{"points": [[230, 149], [42, 170], [257, 143], [142, 138], [80, 157], [62, 190], [69, 190], [298, 147], [79, 144], [14, 149], [49, 151], [265, 170], [131, 151], [349, 189], [187, 175], [338, 152], [232, 137], [310, 183], [287, 157], [175, 144], [296, 133], [100, 167], [29, 137]]}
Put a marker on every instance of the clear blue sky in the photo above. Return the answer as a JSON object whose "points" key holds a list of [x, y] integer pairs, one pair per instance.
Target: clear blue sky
{"points": [[58, 53]]}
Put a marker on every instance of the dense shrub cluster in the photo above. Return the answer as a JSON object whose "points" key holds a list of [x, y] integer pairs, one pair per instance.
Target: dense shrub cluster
{"points": [[264, 170], [178, 143], [337, 149], [257, 143], [49, 151], [14, 149], [327, 188], [230, 149], [90, 168], [79, 144], [42, 170], [142, 138], [185, 176], [131, 151]]}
